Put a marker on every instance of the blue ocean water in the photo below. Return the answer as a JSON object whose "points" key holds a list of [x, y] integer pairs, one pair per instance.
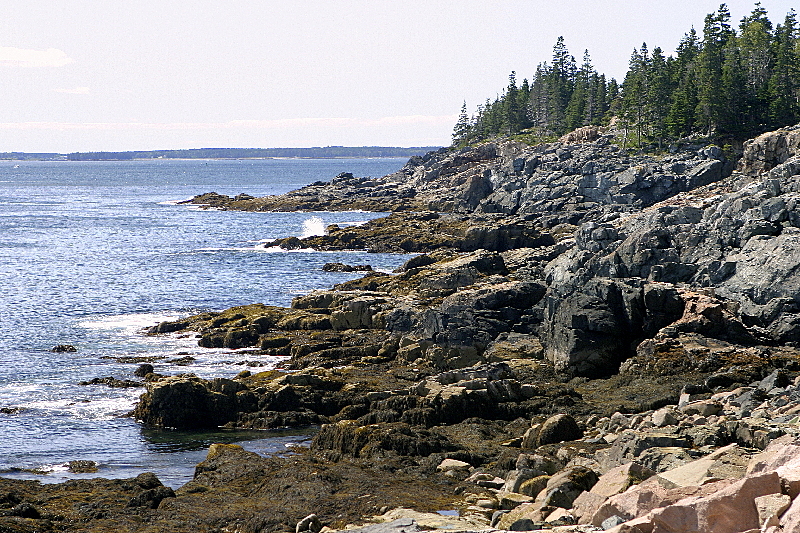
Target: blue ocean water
{"points": [[93, 252]]}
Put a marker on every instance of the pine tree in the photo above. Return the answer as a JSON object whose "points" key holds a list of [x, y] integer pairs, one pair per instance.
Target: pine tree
{"points": [[560, 86], [659, 89], [512, 104], [680, 118], [581, 96], [716, 32], [524, 95], [735, 84], [737, 99], [538, 100], [462, 129], [785, 79], [634, 95], [754, 41]]}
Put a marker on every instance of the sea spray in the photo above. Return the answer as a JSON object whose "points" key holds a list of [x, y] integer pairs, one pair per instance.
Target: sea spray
{"points": [[313, 226]]}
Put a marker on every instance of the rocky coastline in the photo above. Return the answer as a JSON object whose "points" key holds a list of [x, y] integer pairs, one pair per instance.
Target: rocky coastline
{"points": [[588, 340]]}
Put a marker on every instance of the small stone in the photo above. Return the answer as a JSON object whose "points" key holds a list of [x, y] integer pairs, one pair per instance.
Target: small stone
{"points": [[310, 523], [479, 476], [495, 483], [664, 417], [702, 408], [82, 467], [534, 486], [486, 503], [612, 521], [512, 500], [559, 428], [496, 516], [63, 348], [452, 464], [560, 515]]}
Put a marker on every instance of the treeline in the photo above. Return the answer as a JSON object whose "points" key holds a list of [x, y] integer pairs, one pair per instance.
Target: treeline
{"points": [[731, 83], [31, 156], [326, 152]]}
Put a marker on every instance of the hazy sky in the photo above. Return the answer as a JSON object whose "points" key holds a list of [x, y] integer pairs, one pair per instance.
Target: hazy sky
{"points": [[83, 75]]}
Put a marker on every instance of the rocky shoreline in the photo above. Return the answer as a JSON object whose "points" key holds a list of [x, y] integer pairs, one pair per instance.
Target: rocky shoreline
{"points": [[589, 340]]}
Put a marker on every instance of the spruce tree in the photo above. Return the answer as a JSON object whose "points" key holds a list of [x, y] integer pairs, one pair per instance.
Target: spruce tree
{"points": [[785, 79], [680, 119], [658, 93], [716, 32], [511, 116], [461, 131]]}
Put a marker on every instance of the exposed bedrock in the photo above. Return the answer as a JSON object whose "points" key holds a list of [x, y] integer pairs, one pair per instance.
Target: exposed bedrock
{"points": [[567, 254]]}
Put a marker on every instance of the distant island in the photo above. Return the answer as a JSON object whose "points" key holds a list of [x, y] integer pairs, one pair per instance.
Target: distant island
{"points": [[325, 152]]}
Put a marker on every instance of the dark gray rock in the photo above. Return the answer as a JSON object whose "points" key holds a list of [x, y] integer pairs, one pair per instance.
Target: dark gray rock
{"points": [[190, 402], [612, 521], [25, 510], [559, 428], [143, 369], [62, 348], [151, 498]]}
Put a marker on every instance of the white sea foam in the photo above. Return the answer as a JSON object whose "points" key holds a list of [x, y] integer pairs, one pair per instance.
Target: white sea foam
{"points": [[279, 250], [313, 226], [52, 469], [130, 322], [97, 408]]}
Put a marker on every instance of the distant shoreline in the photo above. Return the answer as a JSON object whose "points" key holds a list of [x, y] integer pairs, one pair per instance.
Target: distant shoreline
{"points": [[327, 152]]}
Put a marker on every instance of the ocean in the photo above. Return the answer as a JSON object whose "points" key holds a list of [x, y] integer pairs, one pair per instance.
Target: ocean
{"points": [[91, 253]]}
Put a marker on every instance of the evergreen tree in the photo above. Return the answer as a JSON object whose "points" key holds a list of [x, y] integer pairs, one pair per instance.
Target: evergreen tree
{"points": [[784, 81], [524, 95], [754, 42], [560, 86], [729, 83], [461, 131], [581, 96], [659, 89], [538, 100], [633, 109], [512, 118], [716, 32], [680, 118]]}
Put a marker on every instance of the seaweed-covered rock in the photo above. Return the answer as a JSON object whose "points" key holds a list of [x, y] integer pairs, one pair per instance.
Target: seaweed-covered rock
{"points": [[188, 402]]}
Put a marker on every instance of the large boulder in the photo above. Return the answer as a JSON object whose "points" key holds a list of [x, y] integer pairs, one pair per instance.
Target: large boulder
{"points": [[351, 439], [768, 150], [188, 402], [559, 428]]}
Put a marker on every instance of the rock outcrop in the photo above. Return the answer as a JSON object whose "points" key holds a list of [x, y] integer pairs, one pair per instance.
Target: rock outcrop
{"points": [[588, 339]]}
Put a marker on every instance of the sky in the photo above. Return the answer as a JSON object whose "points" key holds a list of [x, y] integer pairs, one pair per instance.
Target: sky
{"points": [[97, 75]]}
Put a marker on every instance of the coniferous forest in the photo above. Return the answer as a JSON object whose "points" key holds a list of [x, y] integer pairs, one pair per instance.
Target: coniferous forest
{"points": [[730, 83]]}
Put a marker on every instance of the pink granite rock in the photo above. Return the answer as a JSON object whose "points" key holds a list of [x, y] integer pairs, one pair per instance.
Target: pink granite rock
{"points": [[730, 510], [771, 507], [586, 505], [782, 456], [790, 521], [651, 494]]}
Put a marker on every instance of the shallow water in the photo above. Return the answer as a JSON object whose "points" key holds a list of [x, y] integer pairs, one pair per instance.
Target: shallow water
{"points": [[93, 252]]}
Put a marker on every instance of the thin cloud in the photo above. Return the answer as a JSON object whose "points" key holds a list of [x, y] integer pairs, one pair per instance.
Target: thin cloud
{"points": [[21, 57], [76, 90]]}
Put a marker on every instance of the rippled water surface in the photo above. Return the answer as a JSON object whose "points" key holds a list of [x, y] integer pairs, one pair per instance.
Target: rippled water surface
{"points": [[92, 252]]}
